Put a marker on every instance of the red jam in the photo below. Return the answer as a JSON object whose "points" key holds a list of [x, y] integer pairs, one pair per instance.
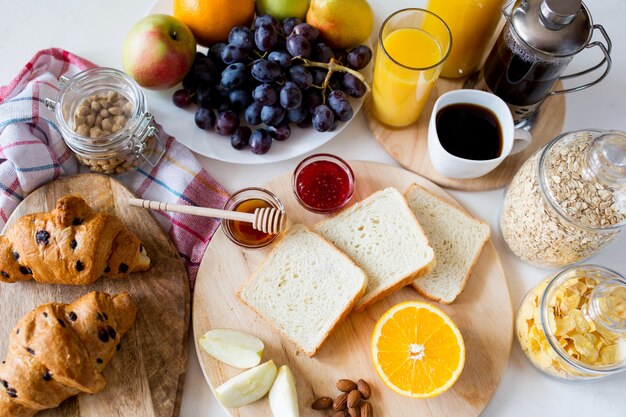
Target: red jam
{"points": [[324, 186]]}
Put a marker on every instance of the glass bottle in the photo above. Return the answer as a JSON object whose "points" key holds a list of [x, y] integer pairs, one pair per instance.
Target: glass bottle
{"points": [[568, 200], [472, 23], [573, 325]]}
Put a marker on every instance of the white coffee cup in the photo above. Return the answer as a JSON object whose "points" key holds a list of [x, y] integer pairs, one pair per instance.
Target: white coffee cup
{"points": [[513, 140]]}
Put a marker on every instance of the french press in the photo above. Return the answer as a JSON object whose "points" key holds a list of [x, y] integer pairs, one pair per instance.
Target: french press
{"points": [[538, 41]]}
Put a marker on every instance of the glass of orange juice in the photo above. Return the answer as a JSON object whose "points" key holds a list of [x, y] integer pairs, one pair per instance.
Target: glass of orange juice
{"points": [[412, 47], [472, 23]]}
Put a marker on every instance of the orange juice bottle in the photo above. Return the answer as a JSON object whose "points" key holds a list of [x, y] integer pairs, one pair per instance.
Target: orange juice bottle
{"points": [[405, 72], [472, 23]]}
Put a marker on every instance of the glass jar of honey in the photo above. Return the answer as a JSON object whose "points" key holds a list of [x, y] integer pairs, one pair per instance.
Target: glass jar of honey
{"points": [[247, 200]]}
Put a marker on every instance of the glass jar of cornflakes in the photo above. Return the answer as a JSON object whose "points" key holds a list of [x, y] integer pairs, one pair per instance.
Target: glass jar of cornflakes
{"points": [[573, 325]]}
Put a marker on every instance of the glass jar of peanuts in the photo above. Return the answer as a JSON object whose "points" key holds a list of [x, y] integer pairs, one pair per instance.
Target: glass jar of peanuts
{"points": [[568, 200], [573, 325], [103, 117]]}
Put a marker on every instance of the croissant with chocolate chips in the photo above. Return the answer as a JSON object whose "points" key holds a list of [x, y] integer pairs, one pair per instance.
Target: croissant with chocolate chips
{"points": [[60, 350], [72, 244]]}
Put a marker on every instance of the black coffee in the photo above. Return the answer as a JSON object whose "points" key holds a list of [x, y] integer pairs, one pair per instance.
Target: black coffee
{"points": [[469, 131]]}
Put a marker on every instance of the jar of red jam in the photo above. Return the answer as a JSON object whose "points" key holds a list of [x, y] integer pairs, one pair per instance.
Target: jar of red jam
{"points": [[323, 183]]}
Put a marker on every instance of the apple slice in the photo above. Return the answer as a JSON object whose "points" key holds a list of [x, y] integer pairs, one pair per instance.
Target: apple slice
{"points": [[283, 394], [233, 347], [247, 387]]}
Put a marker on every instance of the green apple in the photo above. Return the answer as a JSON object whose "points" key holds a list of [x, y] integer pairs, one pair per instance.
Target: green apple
{"points": [[247, 387], [158, 51], [282, 9], [283, 395], [233, 347]]}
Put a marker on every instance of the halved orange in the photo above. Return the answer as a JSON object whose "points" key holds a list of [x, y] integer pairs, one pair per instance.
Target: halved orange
{"points": [[417, 350]]}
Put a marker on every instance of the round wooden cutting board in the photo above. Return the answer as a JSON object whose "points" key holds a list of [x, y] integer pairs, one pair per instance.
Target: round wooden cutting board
{"points": [[409, 145], [145, 378], [483, 313]]}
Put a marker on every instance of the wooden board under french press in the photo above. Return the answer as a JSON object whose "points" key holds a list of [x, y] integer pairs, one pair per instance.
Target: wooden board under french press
{"points": [[483, 313], [145, 378]]}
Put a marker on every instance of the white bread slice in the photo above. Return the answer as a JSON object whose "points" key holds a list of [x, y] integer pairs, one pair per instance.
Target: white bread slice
{"points": [[304, 288], [382, 236], [457, 239]]}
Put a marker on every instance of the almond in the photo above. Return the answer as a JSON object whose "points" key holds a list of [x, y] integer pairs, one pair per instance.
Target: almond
{"points": [[354, 411], [341, 402], [345, 385], [366, 409], [341, 414], [364, 389], [322, 403], [354, 398]]}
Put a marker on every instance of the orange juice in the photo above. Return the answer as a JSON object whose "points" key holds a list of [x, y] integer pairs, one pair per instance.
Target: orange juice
{"points": [[401, 88], [472, 23]]}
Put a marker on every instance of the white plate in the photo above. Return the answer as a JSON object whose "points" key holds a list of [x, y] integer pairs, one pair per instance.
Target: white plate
{"points": [[180, 124]]}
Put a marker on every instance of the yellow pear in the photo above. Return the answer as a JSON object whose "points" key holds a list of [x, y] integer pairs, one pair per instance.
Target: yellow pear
{"points": [[342, 23]]}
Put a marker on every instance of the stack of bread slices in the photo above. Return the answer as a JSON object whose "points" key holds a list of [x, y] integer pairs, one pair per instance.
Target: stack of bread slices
{"points": [[312, 279]]}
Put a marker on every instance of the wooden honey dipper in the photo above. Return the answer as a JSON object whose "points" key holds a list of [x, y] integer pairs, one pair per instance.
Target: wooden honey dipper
{"points": [[265, 219]]}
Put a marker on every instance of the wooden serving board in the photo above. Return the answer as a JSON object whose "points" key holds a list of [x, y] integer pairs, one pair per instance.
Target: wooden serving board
{"points": [[483, 313], [145, 378], [409, 145]]}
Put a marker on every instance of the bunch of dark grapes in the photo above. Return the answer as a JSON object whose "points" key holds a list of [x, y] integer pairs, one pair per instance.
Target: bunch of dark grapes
{"points": [[269, 77]]}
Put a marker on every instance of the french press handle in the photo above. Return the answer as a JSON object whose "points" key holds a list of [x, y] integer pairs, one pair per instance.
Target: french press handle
{"points": [[606, 50]]}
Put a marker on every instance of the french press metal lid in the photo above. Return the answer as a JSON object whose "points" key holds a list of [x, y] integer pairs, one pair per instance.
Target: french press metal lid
{"points": [[557, 29]]}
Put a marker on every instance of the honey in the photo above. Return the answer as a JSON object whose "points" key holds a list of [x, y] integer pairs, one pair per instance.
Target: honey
{"points": [[243, 231]]}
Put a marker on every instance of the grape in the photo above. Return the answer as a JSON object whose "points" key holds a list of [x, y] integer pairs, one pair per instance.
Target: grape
{"points": [[290, 96], [266, 19], [312, 99], [265, 37], [323, 118], [234, 75], [353, 86], [333, 127], [239, 99], [301, 77], [280, 132], [309, 32], [289, 24], [341, 55], [253, 113], [205, 118], [204, 70], [298, 45], [227, 122], [306, 123], [182, 98], [265, 94], [272, 115], [359, 57], [297, 115], [215, 52], [204, 96], [336, 81], [189, 81], [260, 142], [282, 58], [232, 54], [239, 139], [339, 103], [266, 71], [319, 75], [241, 37], [322, 53]]}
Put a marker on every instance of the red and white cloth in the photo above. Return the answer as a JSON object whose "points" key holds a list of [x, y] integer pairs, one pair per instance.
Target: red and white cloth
{"points": [[32, 153]]}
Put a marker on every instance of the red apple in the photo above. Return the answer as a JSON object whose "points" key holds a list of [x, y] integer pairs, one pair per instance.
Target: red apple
{"points": [[158, 51]]}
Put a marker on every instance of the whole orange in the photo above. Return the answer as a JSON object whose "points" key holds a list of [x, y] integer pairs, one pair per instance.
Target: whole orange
{"points": [[211, 20]]}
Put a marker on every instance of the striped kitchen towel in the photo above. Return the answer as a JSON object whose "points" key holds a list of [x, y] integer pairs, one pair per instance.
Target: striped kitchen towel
{"points": [[32, 152]]}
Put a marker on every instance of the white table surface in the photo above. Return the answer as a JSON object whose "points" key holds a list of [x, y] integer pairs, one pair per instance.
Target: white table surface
{"points": [[95, 30]]}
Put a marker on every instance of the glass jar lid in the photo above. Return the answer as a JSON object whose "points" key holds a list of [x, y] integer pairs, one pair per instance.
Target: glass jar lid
{"points": [[584, 318], [583, 176]]}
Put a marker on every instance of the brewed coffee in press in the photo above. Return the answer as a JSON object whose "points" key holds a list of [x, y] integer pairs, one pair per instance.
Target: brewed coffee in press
{"points": [[538, 41]]}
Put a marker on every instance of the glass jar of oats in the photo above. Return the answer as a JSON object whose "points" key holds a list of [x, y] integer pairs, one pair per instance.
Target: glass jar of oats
{"points": [[568, 200], [103, 117], [573, 325]]}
